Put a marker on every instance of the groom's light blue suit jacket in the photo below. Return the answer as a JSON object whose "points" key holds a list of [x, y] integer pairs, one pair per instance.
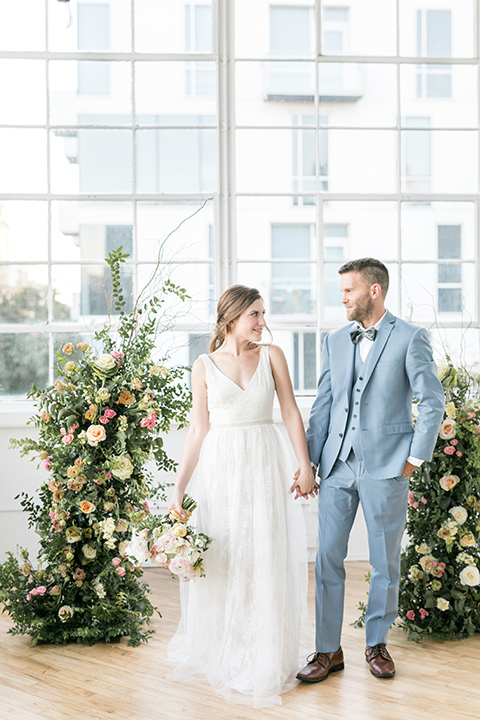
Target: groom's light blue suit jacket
{"points": [[399, 365]]}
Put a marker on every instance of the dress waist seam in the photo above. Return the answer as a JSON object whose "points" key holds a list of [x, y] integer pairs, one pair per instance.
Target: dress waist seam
{"points": [[217, 426]]}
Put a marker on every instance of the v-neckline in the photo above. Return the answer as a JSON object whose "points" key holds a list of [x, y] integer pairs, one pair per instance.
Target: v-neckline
{"points": [[233, 381]]}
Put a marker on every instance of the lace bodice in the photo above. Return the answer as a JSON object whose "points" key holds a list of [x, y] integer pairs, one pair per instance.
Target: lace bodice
{"points": [[229, 404]]}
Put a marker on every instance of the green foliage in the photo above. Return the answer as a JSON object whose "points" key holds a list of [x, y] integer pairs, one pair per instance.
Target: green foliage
{"points": [[99, 424], [440, 583]]}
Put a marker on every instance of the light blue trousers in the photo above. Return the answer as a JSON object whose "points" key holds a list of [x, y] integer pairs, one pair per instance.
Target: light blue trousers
{"points": [[384, 504]]}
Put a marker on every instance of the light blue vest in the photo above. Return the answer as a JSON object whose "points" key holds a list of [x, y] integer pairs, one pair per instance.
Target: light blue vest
{"points": [[352, 434]]}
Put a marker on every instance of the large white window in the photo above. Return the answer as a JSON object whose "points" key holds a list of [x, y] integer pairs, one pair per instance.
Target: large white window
{"points": [[255, 141]]}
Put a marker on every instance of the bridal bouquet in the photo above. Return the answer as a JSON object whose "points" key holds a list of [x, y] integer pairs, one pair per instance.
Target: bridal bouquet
{"points": [[168, 541]]}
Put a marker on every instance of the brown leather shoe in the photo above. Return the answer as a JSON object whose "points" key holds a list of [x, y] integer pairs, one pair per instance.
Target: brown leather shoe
{"points": [[320, 665], [381, 664]]}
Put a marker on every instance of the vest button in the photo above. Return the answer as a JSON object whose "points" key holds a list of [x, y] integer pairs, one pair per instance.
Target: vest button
{"points": [[358, 389], [340, 435], [354, 416], [360, 378], [353, 428]]}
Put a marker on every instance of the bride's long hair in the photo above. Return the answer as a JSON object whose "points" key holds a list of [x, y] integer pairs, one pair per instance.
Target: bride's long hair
{"points": [[231, 304]]}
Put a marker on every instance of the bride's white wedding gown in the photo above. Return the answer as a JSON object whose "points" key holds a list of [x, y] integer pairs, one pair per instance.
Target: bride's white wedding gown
{"points": [[244, 627]]}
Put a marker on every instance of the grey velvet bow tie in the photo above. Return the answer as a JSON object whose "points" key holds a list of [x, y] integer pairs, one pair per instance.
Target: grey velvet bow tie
{"points": [[358, 333]]}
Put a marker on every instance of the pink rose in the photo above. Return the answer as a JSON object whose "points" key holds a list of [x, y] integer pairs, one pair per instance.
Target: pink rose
{"points": [[117, 354], [454, 441], [449, 450], [471, 415], [67, 439], [423, 613], [121, 571], [116, 561], [458, 453], [423, 500], [109, 413], [103, 419], [411, 615], [415, 505]]}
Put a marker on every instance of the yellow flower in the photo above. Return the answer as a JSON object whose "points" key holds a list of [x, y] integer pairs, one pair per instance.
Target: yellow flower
{"points": [[179, 529], [467, 539], [72, 471], [87, 507], [70, 366], [83, 346], [451, 410]]}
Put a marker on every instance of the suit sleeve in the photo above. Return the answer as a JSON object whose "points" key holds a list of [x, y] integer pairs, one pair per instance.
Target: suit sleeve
{"points": [[319, 420], [427, 389]]}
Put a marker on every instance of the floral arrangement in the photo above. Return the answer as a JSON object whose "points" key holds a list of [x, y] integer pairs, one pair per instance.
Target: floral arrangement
{"points": [[99, 424], [440, 583], [170, 542]]}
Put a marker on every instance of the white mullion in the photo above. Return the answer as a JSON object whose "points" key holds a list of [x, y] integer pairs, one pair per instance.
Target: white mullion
{"points": [[399, 164], [133, 69], [477, 204]]}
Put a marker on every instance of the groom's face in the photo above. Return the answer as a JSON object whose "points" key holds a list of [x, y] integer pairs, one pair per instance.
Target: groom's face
{"points": [[356, 297]]}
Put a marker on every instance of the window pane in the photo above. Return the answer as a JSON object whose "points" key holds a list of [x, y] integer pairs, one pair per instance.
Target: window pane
{"points": [[445, 30], [424, 300], [460, 344], [449, 171], [370, 229], [90, 230], [362, 161], [365, 27], [23, 155], [95, 27], [23, 92], [176, 161], [23, 230], [89, 92], [449, 241], [175, 232], [196, 279], [359, 95], [22, 25], [288, 290], [449, 273], [23, 362], [24, 294], [85, 291], [256, 218], [173, 26], [277, 30], [423, 224], [419, 83], [92, 161], [163, 88]]}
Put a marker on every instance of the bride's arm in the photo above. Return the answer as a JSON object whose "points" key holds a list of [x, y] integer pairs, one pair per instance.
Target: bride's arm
{"points": [[197, 430], [305, 484]]}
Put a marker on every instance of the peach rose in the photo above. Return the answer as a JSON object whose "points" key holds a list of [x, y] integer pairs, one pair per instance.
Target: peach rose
{"points": [[68, 348], [467, 539], [96, 434], [448, 482], [83, 346], [87, 507], [126, 398], [447, 429]]}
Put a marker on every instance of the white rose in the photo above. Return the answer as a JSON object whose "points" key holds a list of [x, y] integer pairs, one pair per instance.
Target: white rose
{"points": [[451, 410], [65, 613], [459, 514], [442, 604], [470, 576], [448, 482]]}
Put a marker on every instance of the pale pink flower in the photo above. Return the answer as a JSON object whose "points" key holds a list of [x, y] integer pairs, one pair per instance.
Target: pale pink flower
{"points": [[116, 561], [415, 505], [471, 415], [449, 450], [121, 571], [454, 441], [63, 431], [103, 419], [423, 613], [179, 566], [109, 413], [411, 615], [458, 453], [67, 439], [117, 354], [74, 427], [423, 500]]}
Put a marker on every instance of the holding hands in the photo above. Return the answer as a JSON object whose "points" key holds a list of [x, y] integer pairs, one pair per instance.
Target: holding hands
{"points": [[305, 483]]}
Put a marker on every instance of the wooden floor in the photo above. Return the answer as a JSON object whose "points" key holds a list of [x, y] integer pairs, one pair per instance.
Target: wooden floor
{"points": [[115, 681]]}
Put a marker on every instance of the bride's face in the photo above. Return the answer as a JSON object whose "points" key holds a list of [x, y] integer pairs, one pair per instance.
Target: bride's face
{"points": [[251, 322]]}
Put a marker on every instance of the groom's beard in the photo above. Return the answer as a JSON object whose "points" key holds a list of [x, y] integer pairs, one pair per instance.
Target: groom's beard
{"points": [[362, 311]]}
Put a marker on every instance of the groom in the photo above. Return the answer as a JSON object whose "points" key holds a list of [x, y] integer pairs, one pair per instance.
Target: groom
{"points": [[361, 437]]}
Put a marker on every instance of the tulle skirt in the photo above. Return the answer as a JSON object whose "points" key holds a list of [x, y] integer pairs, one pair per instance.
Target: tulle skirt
{"points": [[244, 628]]}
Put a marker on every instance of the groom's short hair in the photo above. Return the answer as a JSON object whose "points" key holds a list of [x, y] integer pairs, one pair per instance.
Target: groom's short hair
{"points": [[373, 271]]}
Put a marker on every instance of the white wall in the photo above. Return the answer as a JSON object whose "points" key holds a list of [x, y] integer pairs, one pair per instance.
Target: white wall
{"points": [[19, 474]]}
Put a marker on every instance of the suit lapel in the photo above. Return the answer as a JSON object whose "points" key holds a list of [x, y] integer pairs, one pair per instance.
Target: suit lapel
{"points": [[384, 331], [348, 360]]}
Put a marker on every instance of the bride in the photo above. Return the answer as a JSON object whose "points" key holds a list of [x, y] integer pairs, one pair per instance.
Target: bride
{"points": [[244, 627]]}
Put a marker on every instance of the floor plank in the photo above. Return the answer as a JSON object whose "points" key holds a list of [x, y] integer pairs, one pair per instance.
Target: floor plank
{"points": [[114, 681]]}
